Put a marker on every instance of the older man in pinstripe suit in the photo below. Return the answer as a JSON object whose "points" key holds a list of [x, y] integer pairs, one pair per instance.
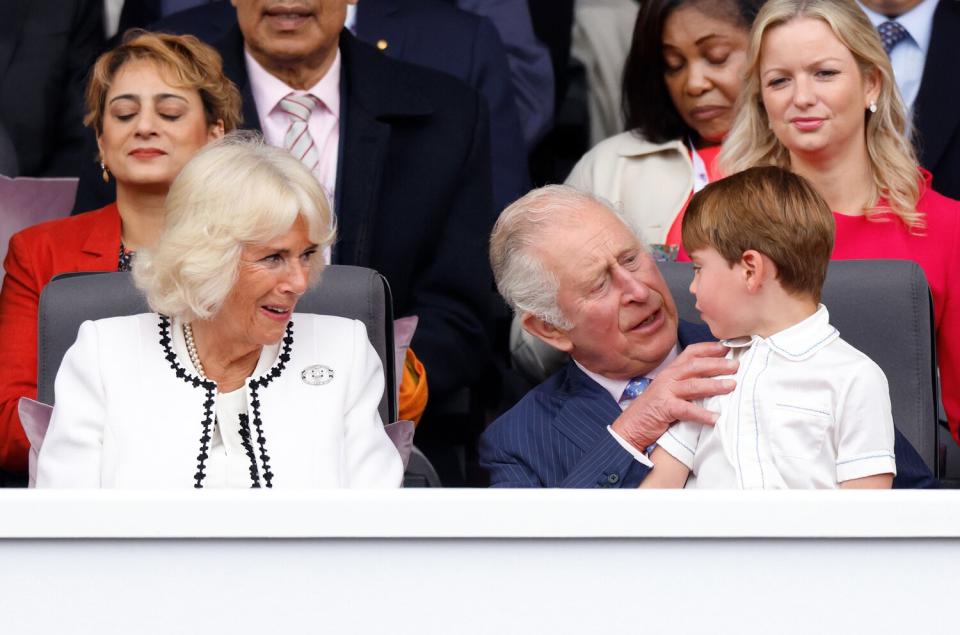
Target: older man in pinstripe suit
{"points": [[581, 280]]}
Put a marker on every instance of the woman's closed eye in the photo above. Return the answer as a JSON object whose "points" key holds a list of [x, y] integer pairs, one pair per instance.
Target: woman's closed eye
{"points": [[717, 57], [125, 114], [673, 64]]}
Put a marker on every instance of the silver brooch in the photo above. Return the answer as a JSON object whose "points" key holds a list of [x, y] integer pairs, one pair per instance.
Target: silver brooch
{"points": [[317, 375]]}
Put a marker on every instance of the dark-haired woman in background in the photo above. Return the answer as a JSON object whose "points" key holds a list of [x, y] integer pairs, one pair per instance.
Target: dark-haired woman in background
{"points": [[681, 80]]}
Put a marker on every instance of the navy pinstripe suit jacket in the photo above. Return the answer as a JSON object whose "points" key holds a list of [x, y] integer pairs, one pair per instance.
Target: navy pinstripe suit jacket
{"points": [[556, 436]]}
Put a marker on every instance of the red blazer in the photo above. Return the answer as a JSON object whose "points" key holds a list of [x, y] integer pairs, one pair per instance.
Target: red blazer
{"points": [[87, 242]]}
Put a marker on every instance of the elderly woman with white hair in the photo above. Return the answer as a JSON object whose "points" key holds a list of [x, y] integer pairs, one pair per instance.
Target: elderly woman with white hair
{"points": [[224, 385]]}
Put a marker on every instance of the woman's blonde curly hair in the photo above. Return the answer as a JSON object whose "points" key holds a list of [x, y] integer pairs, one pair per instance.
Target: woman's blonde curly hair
{"points": [[893, 162]]}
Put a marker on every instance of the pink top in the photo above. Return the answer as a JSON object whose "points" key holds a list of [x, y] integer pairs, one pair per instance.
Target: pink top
{"points": [[324, 121], [674, 236], [937, 251]]}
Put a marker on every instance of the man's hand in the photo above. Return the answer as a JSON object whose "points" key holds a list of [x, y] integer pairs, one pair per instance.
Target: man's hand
{"points": [[667, 398]]}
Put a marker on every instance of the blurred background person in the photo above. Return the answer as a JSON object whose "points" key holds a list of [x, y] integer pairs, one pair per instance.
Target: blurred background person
{"points": [[680, 82], [225, 386], [152, 102], [820, 99], [431, 33], [46, 49], [921, 38]]}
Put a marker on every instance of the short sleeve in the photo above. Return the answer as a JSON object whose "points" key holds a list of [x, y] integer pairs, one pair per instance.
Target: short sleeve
{"points": [[865, 426], [681, 440]]}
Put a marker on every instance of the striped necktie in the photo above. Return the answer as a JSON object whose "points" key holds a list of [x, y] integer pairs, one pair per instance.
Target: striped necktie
{"points": [[891, 33], [298, 140]]}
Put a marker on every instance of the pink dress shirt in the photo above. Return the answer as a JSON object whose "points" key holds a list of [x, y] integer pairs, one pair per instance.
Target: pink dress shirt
{"points": [[324, 122]]}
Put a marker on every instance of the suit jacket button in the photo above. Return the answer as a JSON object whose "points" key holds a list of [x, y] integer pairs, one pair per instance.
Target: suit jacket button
{"points": [[613, 478]]}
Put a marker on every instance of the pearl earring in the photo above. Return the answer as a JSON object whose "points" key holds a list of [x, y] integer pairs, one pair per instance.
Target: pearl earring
{"points": [[105, 174], [873, 107]]}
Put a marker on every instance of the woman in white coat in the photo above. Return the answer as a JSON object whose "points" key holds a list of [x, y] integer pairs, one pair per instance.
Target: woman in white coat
{"points": [[224, 385]]}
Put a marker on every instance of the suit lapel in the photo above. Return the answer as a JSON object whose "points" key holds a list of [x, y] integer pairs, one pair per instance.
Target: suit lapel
{"points": [[376, 99], [587, 409], [363, 147], [936, 106], [101, 248], [230, 48]]}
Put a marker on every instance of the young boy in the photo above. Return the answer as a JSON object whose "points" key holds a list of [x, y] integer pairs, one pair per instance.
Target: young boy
{"points": [[809, 410]]}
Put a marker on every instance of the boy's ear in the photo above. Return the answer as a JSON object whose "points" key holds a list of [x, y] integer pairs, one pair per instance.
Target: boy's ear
{"points": [[547, 332], [755, 269]]}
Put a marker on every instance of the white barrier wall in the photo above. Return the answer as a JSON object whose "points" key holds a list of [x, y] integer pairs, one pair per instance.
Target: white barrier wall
{"points": [[475, 561]]}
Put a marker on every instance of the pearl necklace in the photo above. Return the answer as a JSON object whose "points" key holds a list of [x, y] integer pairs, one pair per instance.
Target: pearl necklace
{"points": [[192, 349]]}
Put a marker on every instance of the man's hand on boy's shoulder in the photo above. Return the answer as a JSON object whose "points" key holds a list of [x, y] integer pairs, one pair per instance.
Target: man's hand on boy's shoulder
{"points": [[669, 397]]}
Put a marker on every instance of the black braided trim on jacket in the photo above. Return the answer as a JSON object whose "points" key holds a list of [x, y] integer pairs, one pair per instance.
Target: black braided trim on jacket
{"points": [[245, 439], [196, 382], [262, 382]]}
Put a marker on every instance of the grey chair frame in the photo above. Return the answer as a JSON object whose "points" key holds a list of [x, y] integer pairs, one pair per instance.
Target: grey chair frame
{"points": [[883, 308]]}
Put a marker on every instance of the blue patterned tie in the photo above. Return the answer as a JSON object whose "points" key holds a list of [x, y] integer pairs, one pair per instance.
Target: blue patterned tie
{"points": [[634, 387], [891, 33]]}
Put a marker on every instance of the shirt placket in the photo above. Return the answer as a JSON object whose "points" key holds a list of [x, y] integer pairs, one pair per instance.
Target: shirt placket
{"points": [[748, 445]]}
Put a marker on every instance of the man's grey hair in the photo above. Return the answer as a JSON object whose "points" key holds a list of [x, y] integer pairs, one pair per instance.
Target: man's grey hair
{"points": [[522, 279]]}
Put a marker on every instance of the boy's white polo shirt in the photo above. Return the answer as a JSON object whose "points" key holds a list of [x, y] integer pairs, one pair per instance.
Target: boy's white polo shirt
{"points": [[809, 411]]}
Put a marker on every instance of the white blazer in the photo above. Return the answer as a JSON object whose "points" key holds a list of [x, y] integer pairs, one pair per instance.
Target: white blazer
{"points": [[129, 414]]}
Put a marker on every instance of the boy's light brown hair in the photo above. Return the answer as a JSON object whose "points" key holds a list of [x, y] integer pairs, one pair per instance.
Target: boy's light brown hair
{"points": [[770, 210]]}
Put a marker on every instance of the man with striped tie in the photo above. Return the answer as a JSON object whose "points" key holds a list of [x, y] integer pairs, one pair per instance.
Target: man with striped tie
{"points": [[402, 152]]}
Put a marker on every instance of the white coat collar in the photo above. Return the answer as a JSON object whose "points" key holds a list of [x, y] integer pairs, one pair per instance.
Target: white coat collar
{"points": [[631, 145]]}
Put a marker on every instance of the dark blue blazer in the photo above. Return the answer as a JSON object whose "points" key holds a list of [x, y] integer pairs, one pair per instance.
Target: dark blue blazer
{"points": [[936, 116], [556, 436], [437, 35]]}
